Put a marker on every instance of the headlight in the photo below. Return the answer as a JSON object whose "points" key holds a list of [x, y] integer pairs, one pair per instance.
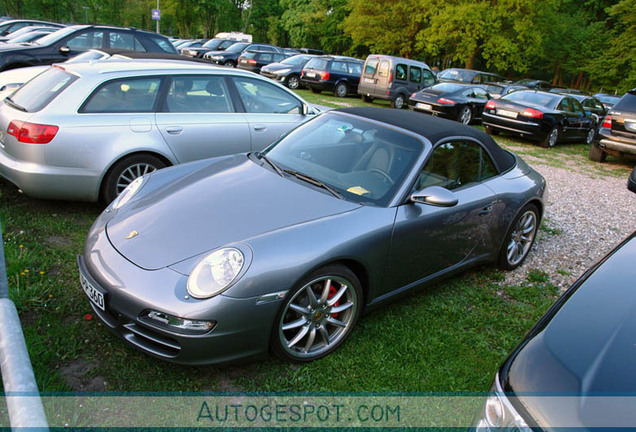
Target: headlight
{"points": [[283, 71], [215, 272], [127, 194], [499, 414]]}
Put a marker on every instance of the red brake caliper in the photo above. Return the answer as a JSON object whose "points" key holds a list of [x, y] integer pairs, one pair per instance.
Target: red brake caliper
{"points": [[332, 292]]}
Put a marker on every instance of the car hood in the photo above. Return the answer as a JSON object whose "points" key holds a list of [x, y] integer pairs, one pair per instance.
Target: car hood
{"points": [[17, 46], [273, 67], [200, 207], [585, 343], [216, 52]]}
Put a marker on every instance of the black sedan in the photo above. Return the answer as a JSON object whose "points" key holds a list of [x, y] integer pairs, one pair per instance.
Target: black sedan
{"points": [[593, 107], [211, 45], [287, 71], [575, 369], [545, 117], [461, 102]]}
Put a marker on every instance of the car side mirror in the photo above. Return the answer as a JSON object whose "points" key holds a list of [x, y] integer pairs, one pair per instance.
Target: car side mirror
{"points": [[64, 50], [436, 196], [631, 183], [305, 109]]}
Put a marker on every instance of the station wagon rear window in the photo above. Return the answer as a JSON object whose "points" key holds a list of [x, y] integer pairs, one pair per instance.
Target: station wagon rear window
{"points": [[123, 96], [41, 90]]}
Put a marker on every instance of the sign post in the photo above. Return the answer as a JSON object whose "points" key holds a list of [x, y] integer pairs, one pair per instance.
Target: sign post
{"points": [[156, 15]]}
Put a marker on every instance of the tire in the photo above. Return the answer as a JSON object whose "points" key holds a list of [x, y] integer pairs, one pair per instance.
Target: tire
{"points": [[519, 238], [230, 63], [398, 102], [465, 115], [293, 81], [596, 154], [125, 171], [368, 99], [491, 130], [341, 90], [591, 134], [315, 90], [305, 330], [552, 138]]}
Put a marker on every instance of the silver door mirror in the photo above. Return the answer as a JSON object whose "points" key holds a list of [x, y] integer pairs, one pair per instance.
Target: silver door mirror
{"points": [[435, 196], [306, 109]]}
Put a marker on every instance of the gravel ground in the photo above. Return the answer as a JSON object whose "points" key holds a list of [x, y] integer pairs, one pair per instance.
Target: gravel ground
{"points": [[586, 217]]}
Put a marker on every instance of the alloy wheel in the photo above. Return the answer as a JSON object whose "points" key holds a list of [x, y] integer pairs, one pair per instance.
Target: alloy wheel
{"points": [[521, 238], [131, 173]]}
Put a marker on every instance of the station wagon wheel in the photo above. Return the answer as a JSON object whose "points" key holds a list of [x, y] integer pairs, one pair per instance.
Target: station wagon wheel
{"points": [[127, 170], [590, 136], [318, 315], [341, 90], [520, 238], [465, 115], [293, 82], [596, 154], [398, 102], [551, 139], [230, 63]]}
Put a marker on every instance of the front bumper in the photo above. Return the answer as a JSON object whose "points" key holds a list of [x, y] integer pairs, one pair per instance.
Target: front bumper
{"points": [[49, 182], [242, 329]]}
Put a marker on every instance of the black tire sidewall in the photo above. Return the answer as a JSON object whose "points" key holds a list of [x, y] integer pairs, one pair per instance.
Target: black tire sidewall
{"points": [[109, 184]]}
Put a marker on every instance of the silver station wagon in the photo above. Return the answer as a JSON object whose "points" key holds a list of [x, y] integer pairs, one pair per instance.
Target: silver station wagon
{"points": [[85, 131]]}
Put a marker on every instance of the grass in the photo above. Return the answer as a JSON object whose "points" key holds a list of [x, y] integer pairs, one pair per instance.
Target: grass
{"points": [[448, 337]]}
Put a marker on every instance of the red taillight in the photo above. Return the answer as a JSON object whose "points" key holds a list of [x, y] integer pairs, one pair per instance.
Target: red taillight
{"points": [[490, 104], [533, 113], [446, 101], [324, 76], [607, 122], [413, 95], [32, 133], [390, 77], [252, 61]]}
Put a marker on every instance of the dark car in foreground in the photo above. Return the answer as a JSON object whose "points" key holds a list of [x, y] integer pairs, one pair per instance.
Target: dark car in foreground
{"points": [[570, 371], [617, 135], [337, 74], [461, 102], [288, 70], [547, 118], [70, 41], [343, 214], [253, 61]]}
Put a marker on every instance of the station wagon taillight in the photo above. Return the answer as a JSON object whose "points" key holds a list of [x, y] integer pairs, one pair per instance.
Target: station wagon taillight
{"points": [[607, 122], [490, 104], [252, 61], [446, 101], [32, 133], [324, 76], [533, 113]]}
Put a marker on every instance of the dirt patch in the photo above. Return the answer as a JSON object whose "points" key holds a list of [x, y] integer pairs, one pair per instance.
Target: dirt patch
{"points": [[59, 241], [75, 374], [342, 104]]}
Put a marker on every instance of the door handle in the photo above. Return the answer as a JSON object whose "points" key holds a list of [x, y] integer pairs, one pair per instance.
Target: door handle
{"points": [[174, 130], [486, 210], [260, 127]]}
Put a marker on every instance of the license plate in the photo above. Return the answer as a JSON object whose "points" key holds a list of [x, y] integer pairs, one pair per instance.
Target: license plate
{"points": [[426, 107], [243, 61], [369, 80], [505, 113], [93, 294], [310, 74]]}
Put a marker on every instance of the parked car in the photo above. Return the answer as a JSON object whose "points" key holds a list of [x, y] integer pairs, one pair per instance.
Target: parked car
{"points": [[12, 25], [102, 124], [547, 118], [608, 100], [617, 135], [392, 188], [12, 37], [579, 353], [30, 37], [593, 107], [229, 56], [253, 61], [194, 43], [468, 76], [534, 84], [461, 102], [287, 71], [497, 90], [211, 45], [70, 41], [337, 74], [569, 91], [393, 78]]}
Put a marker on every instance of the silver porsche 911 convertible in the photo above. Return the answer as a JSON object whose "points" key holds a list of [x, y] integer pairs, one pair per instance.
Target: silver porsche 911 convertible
{"points": [[233, 257]]}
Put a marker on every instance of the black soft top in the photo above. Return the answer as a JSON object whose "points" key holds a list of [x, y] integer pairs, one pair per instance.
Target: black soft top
{"points": [[435, 129]]}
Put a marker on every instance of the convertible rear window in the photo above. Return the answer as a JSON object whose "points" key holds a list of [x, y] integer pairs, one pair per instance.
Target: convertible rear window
{"points": [[41, 90]]}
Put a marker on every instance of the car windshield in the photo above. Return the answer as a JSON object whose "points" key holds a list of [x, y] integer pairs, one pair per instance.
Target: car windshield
{"points": [[212, 43], [237, 47], [296, 60], [609, 99], [54, 37], [533, 98], [363, 161]]}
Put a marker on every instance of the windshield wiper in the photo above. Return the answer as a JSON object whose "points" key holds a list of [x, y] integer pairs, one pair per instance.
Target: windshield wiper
{"points": [[272, 164], [314, 182], [15, 105]]}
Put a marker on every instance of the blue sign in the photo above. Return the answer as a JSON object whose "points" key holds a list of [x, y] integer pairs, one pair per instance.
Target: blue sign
{"points": [[156, 14]]}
